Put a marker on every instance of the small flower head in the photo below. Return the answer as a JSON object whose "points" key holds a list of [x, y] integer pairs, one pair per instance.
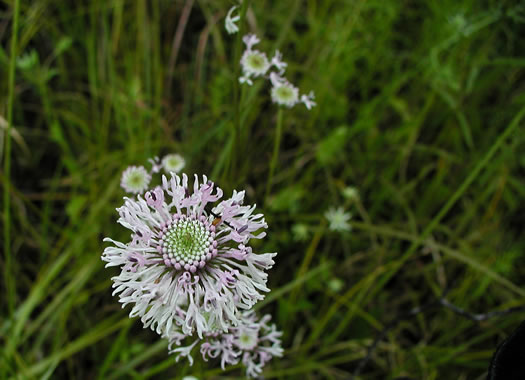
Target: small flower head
{"points": [[338, 219], [229, 22], [351, 193], [135, 179], [253, 342], [335, 284], [247, 338], [173, 163], [188, 267], [254, 63], [285, 94]]}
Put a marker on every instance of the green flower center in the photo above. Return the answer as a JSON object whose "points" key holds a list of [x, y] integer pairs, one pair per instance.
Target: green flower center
{"points": [[136, 180], [173, 162], [256, 61], [187, 241], [248, 339], [284, 93]]}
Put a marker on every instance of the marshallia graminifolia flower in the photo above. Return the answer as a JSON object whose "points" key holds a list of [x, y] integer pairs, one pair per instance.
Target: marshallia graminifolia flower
{"points": [[338, 219], [189, 267], [285, 94], [253, 62], [173, 163], [135, 179], [253, 342]]}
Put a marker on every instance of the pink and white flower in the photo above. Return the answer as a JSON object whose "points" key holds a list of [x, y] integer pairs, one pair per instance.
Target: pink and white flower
{"points": [[188, 266], [253, 342]]}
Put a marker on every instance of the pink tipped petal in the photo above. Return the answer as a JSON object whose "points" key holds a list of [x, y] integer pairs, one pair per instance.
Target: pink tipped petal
{"points": [[172, 235]]}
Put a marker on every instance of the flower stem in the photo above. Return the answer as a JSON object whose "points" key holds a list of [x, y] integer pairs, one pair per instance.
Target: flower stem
{"points": [[275, 155], [236, 90], [9, 279]]}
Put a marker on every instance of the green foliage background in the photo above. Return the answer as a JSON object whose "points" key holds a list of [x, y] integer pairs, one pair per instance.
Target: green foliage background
{"points": [[412, 95]]}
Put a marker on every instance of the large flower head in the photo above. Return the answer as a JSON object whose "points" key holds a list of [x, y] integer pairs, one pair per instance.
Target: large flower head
{"points": [[188, 267], [253, 342]]}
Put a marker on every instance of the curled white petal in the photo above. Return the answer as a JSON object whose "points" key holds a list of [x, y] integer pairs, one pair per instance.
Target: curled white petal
{"points": [[308, 100], [250, 40], [245, 79], [279, 64], [229, 22]]}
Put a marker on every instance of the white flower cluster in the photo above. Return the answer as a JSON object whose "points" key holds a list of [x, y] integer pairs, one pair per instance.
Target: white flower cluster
{"points": [[136, 179], [256, 64]]}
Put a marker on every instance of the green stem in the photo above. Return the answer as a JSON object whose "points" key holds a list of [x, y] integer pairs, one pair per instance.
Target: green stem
{"points": [[275, 155], [9, 278], [236, 90]]}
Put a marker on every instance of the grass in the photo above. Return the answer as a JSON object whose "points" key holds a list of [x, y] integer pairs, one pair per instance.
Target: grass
{"points": [[420, 107], [8, 273]]}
